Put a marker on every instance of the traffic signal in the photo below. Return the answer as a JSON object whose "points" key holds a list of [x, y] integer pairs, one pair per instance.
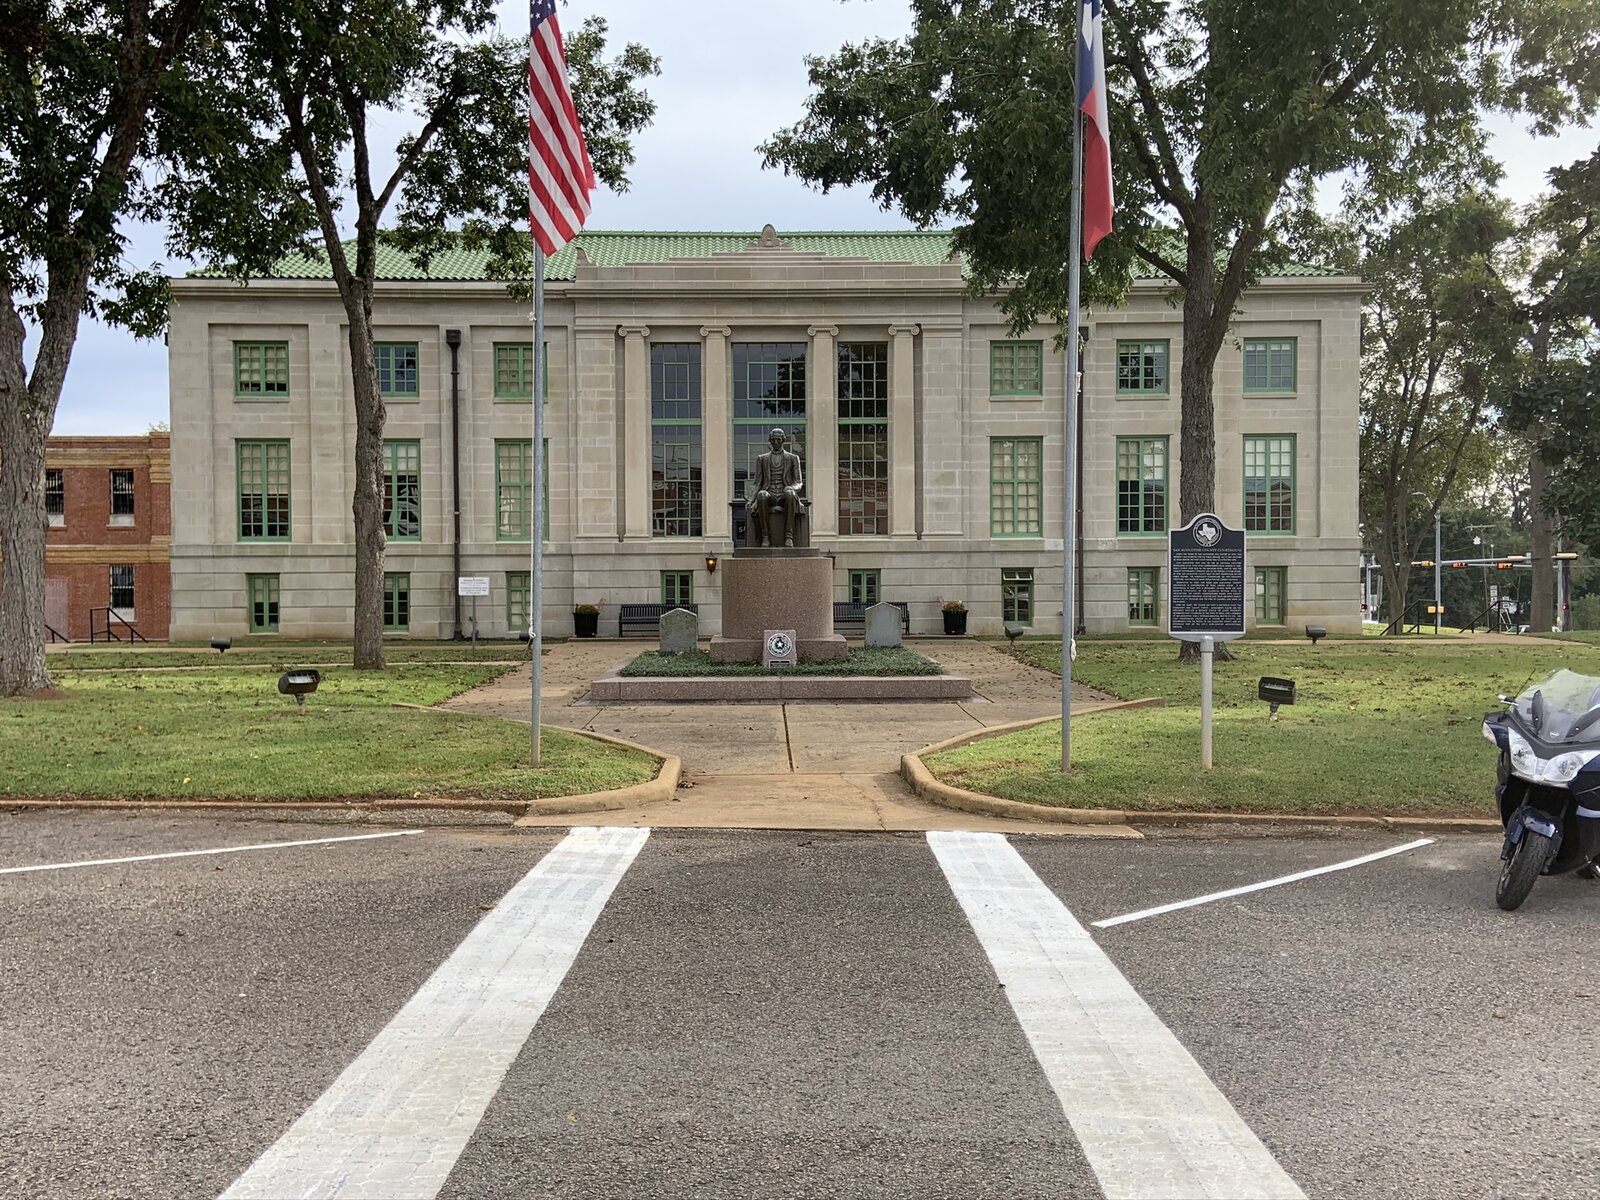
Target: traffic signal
{"points": [[1458, 564]]}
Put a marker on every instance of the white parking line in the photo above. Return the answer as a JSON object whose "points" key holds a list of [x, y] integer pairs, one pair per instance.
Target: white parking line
{"points": [[111, 862], [1149, 1119], [1257, 887], [393, 1124]]}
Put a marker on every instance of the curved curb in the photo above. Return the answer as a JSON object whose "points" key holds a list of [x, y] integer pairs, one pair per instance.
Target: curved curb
{"points": [[661, 788], [915, 772]]}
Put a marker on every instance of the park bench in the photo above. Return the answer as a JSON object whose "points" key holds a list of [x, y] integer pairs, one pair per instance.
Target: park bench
{"points": [[644, 620], [850, 617]]}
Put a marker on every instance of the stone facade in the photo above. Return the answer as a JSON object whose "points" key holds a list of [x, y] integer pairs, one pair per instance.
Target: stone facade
{"points": [[955, 393]]}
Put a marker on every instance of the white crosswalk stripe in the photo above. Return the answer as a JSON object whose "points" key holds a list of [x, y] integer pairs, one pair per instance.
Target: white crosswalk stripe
{"points": [[393, 1124], [1149, 1119]]}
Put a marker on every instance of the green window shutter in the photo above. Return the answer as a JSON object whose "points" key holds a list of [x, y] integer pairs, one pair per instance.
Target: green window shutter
{"points": [[518, 594], [1016, 595], [396, 602], [1142, 367], [1016, 368], [263, 592], [263, 489], [677, 588], [1271, 590], [1141, 486], [1144, 591], [261, 369], [1016, 487], [865, 587], [1269, 364], [402, 490], [1269, 484], [397, 369]]}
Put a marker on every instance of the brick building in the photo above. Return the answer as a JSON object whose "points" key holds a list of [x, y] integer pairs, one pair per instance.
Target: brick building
{"points": [[109, 504]]}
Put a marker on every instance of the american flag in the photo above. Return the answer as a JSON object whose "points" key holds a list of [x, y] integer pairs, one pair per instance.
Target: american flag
{"points": [[1097, 201], [560, 176]]}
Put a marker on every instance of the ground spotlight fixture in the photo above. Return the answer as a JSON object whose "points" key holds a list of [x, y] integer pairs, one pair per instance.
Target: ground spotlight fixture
{"points": [[299, 684], [221, 644], [1013, 632], [711, 563], [1316, 633]]}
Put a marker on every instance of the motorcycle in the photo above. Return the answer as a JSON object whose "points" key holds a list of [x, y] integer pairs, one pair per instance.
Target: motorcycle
{"points": [[1548, 782]]}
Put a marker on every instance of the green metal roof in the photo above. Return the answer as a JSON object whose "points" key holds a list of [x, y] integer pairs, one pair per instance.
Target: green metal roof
{"points": [[630, 248]]}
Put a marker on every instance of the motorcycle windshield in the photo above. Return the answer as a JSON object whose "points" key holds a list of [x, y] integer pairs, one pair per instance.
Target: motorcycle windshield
{"points": [[1562, 706]]}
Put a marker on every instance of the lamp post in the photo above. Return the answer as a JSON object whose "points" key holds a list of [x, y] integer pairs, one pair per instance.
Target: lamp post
{"points": [[1438, 581]]}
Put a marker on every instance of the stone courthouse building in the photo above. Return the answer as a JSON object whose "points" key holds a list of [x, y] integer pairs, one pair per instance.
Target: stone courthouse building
{"points": [[931, 438]]}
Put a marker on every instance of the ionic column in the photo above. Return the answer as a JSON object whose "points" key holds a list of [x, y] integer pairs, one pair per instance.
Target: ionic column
{"points": [[636, 473], [716, 431], [902, 433], [822, 433]]}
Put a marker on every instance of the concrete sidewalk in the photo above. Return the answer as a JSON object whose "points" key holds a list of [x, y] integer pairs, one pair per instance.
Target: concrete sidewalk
{"points": [[812, 765]]}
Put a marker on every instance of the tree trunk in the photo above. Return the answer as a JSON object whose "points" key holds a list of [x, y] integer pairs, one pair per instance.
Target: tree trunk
{"points": [[24, 425], [367, 500], [1541, 595], [1197, 444]]}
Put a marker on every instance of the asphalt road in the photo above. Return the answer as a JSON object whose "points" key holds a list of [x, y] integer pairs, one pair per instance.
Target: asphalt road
{"points": [[784, 1014]]}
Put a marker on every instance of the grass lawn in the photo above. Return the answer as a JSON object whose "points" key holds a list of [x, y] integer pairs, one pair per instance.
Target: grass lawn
{"points": [[229, 734], [860, 660], [1379, 728], [268, 653]]}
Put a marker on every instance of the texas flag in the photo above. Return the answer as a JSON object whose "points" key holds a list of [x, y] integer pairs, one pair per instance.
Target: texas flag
{"points": [[1097, 129]]}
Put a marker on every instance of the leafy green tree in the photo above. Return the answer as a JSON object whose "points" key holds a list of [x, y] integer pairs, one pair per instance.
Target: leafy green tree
{"points": [[105, 110], [1224, 116], [337, 73]]}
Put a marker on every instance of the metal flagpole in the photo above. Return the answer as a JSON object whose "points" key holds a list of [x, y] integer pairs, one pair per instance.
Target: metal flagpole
{"points": [[1069, 438], [536, 530]]}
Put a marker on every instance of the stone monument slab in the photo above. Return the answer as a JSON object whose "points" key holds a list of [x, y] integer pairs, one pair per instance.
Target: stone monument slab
{"points": [[680, 631], [883, 625]]}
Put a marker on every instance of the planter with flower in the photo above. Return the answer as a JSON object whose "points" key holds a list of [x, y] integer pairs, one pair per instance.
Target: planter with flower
{"points": [[585, 620], [955, 615]]}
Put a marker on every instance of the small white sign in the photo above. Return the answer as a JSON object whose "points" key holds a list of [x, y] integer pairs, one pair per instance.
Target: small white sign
{"points": [[472, 585]]}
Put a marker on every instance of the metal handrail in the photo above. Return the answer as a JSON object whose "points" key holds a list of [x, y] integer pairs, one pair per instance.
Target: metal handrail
{"points": [[111, 615]]}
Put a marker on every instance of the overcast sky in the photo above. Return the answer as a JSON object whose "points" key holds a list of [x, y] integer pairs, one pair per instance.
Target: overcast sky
{"points": [[733, 72]]}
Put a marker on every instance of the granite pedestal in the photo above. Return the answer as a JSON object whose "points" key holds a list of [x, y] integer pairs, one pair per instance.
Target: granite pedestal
{"points": [[780, 588]]}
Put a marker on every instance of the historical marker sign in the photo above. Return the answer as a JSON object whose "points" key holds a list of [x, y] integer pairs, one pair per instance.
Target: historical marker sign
{"points": [[472, 585], [1205, 578], [779, 649]]}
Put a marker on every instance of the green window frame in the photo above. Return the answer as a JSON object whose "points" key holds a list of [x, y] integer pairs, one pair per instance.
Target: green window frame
{"points": [[263, 490], [1269, 483], [513, 372], [677, 588], [677, 446], [519, 594], [1142, 366], [1016, 595], [513, 489], [863, 433], [1142, 491], [1271, 595], [1016, 368], [397, 602], [260, 369], [769, 391], [397, 369], [1016, 487], [263, 602], [866, 587], [1270, 365], [1144, 595], [402, 490]]}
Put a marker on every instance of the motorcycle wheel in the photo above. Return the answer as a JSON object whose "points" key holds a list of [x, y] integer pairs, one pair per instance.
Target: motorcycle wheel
{"points": [[1520, 871]]}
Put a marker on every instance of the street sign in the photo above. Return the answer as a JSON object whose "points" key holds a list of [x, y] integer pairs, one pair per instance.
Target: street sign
{"points": [[1205, 580], [472, 585]]}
